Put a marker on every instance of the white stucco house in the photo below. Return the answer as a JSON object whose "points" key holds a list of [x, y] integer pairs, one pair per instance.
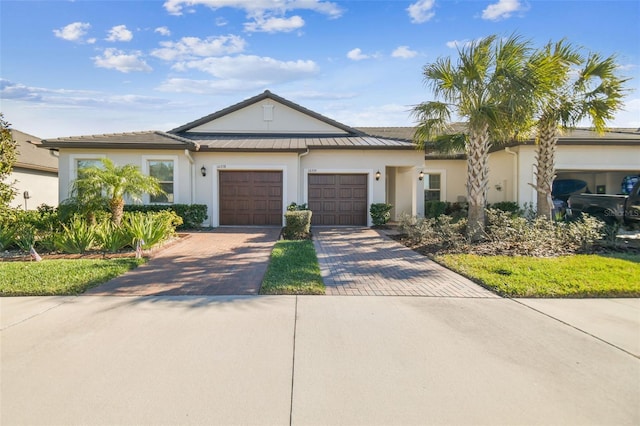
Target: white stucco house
{"points": [[249, 161], [35, 173], [601, 161]]}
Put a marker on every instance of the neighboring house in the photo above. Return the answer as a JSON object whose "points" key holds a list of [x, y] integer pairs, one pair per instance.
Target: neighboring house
{"points": [[601, 161], [35, 173], [249, 161]]}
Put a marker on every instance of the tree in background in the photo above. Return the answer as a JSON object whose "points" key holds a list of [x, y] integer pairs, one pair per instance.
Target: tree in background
{"points": [[565, 100], [8, 157], [490, 89], [115, 183]]}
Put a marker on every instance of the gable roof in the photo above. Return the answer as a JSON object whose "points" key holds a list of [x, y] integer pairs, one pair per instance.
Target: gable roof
{"points": [[30, 157], [258, 98], [153, 139]]}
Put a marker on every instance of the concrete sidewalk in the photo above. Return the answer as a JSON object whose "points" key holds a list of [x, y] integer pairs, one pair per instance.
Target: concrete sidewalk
{"points": [[278, 360]]}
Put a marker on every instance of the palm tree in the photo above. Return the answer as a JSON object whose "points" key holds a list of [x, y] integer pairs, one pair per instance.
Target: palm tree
{"points": [[596, 94], [115, 183], [489, 88]]}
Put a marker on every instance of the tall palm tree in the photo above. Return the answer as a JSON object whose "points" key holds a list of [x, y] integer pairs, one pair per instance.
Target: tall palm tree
{"points": [[115, 183], [596, 94], [489, 88]]}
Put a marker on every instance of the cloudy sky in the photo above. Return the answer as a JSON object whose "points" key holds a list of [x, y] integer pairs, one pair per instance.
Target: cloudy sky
{"points": [[87, 67]]}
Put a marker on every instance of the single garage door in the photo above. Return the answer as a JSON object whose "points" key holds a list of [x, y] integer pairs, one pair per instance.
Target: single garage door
{"points": [[251, 198], [338, 199]]}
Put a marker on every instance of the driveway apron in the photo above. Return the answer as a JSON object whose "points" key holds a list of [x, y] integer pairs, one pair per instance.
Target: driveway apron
{"points": [[363, 261], [226, 261]]}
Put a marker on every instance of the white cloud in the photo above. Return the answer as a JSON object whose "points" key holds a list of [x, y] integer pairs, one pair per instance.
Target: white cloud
{"points": [[118, 60], [273, 25], [250, 68], [73, 32], [421, 11], [191, 47], [258, 7], [502, 10], [119, 33], [404, 52], [357, 55], [163, 31], [456, 44], [202, 87]]}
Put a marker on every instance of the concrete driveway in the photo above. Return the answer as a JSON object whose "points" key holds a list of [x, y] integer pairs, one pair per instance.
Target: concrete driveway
{"points": [[308, 360]]}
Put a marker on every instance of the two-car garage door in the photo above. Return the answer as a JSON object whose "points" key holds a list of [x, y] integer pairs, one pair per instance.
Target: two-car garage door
{"points": [[250, 197]]}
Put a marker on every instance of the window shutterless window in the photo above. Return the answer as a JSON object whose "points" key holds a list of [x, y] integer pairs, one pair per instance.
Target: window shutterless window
{"points": [[163, 171], [432, 187]]}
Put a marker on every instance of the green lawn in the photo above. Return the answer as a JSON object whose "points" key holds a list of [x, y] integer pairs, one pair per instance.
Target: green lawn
{"points": [[60, 277], [293, 269], [567, 276]]}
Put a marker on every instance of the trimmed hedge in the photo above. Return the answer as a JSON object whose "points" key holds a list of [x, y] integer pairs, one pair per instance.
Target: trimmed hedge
{"points": [[192, 214], [297, 225]]}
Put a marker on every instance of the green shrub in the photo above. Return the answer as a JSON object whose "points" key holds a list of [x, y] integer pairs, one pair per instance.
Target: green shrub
{"points": [[78, 236], [506, 206], [112, 238], [7, 235], [150, 228], [380, 213], [192, 214], [433, 209], [297, 225], [539, 236], [296, 207]]}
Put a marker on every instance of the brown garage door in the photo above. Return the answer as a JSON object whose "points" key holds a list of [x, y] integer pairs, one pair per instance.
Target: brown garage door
{"points": [[338, 199], [250, 198]]}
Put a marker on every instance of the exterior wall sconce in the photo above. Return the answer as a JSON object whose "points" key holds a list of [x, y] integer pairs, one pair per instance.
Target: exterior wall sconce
{"points": [[203, 170], [421, 175], [378, 175]]}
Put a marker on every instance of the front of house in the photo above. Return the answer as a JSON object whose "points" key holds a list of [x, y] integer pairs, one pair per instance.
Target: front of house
{"points": [[249, 161]]}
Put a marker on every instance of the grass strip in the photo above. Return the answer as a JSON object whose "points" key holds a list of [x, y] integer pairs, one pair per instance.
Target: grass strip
{"points": [[567, 276], [293, 269], [60, 276]]}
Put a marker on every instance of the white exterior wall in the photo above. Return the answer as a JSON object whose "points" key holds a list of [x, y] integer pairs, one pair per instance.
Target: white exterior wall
{"points": [[266, 116], [515, 171], [182, 168], [206, 188], [42, 188], [404, 165]]}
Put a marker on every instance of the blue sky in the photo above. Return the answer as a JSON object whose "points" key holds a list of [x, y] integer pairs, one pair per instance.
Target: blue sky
{"points": [[87, 67]]}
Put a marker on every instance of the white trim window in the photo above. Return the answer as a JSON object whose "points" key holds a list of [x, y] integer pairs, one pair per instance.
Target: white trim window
{"points": [[78, 162], [164, 171], [432, 187]]}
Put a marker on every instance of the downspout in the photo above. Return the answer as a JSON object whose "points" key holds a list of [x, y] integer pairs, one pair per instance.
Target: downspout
{"points": [[192, 177], [300, 189], [516, 184]]}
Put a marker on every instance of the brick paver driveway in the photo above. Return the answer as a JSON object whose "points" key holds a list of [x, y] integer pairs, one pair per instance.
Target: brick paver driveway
{"points": [[362, 261], [226, 261]]}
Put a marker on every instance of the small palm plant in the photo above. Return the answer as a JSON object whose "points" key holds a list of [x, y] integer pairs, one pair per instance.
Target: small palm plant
{"points": [[115, 183]]}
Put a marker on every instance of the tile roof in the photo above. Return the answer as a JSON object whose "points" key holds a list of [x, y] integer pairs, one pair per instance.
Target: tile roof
{"points": [[30, 157], [153, 139]]}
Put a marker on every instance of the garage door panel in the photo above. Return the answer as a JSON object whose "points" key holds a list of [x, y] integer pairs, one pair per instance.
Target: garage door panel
{"points": [[250, 197], [338, 199]]}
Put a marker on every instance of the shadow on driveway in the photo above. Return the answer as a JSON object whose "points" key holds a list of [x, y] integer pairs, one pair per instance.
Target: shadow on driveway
{"points": [[226, 261]]}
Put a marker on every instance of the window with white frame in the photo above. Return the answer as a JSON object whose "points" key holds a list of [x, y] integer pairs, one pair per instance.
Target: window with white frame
{"points": [[432, 186], [162, 170], [79, 167]]}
